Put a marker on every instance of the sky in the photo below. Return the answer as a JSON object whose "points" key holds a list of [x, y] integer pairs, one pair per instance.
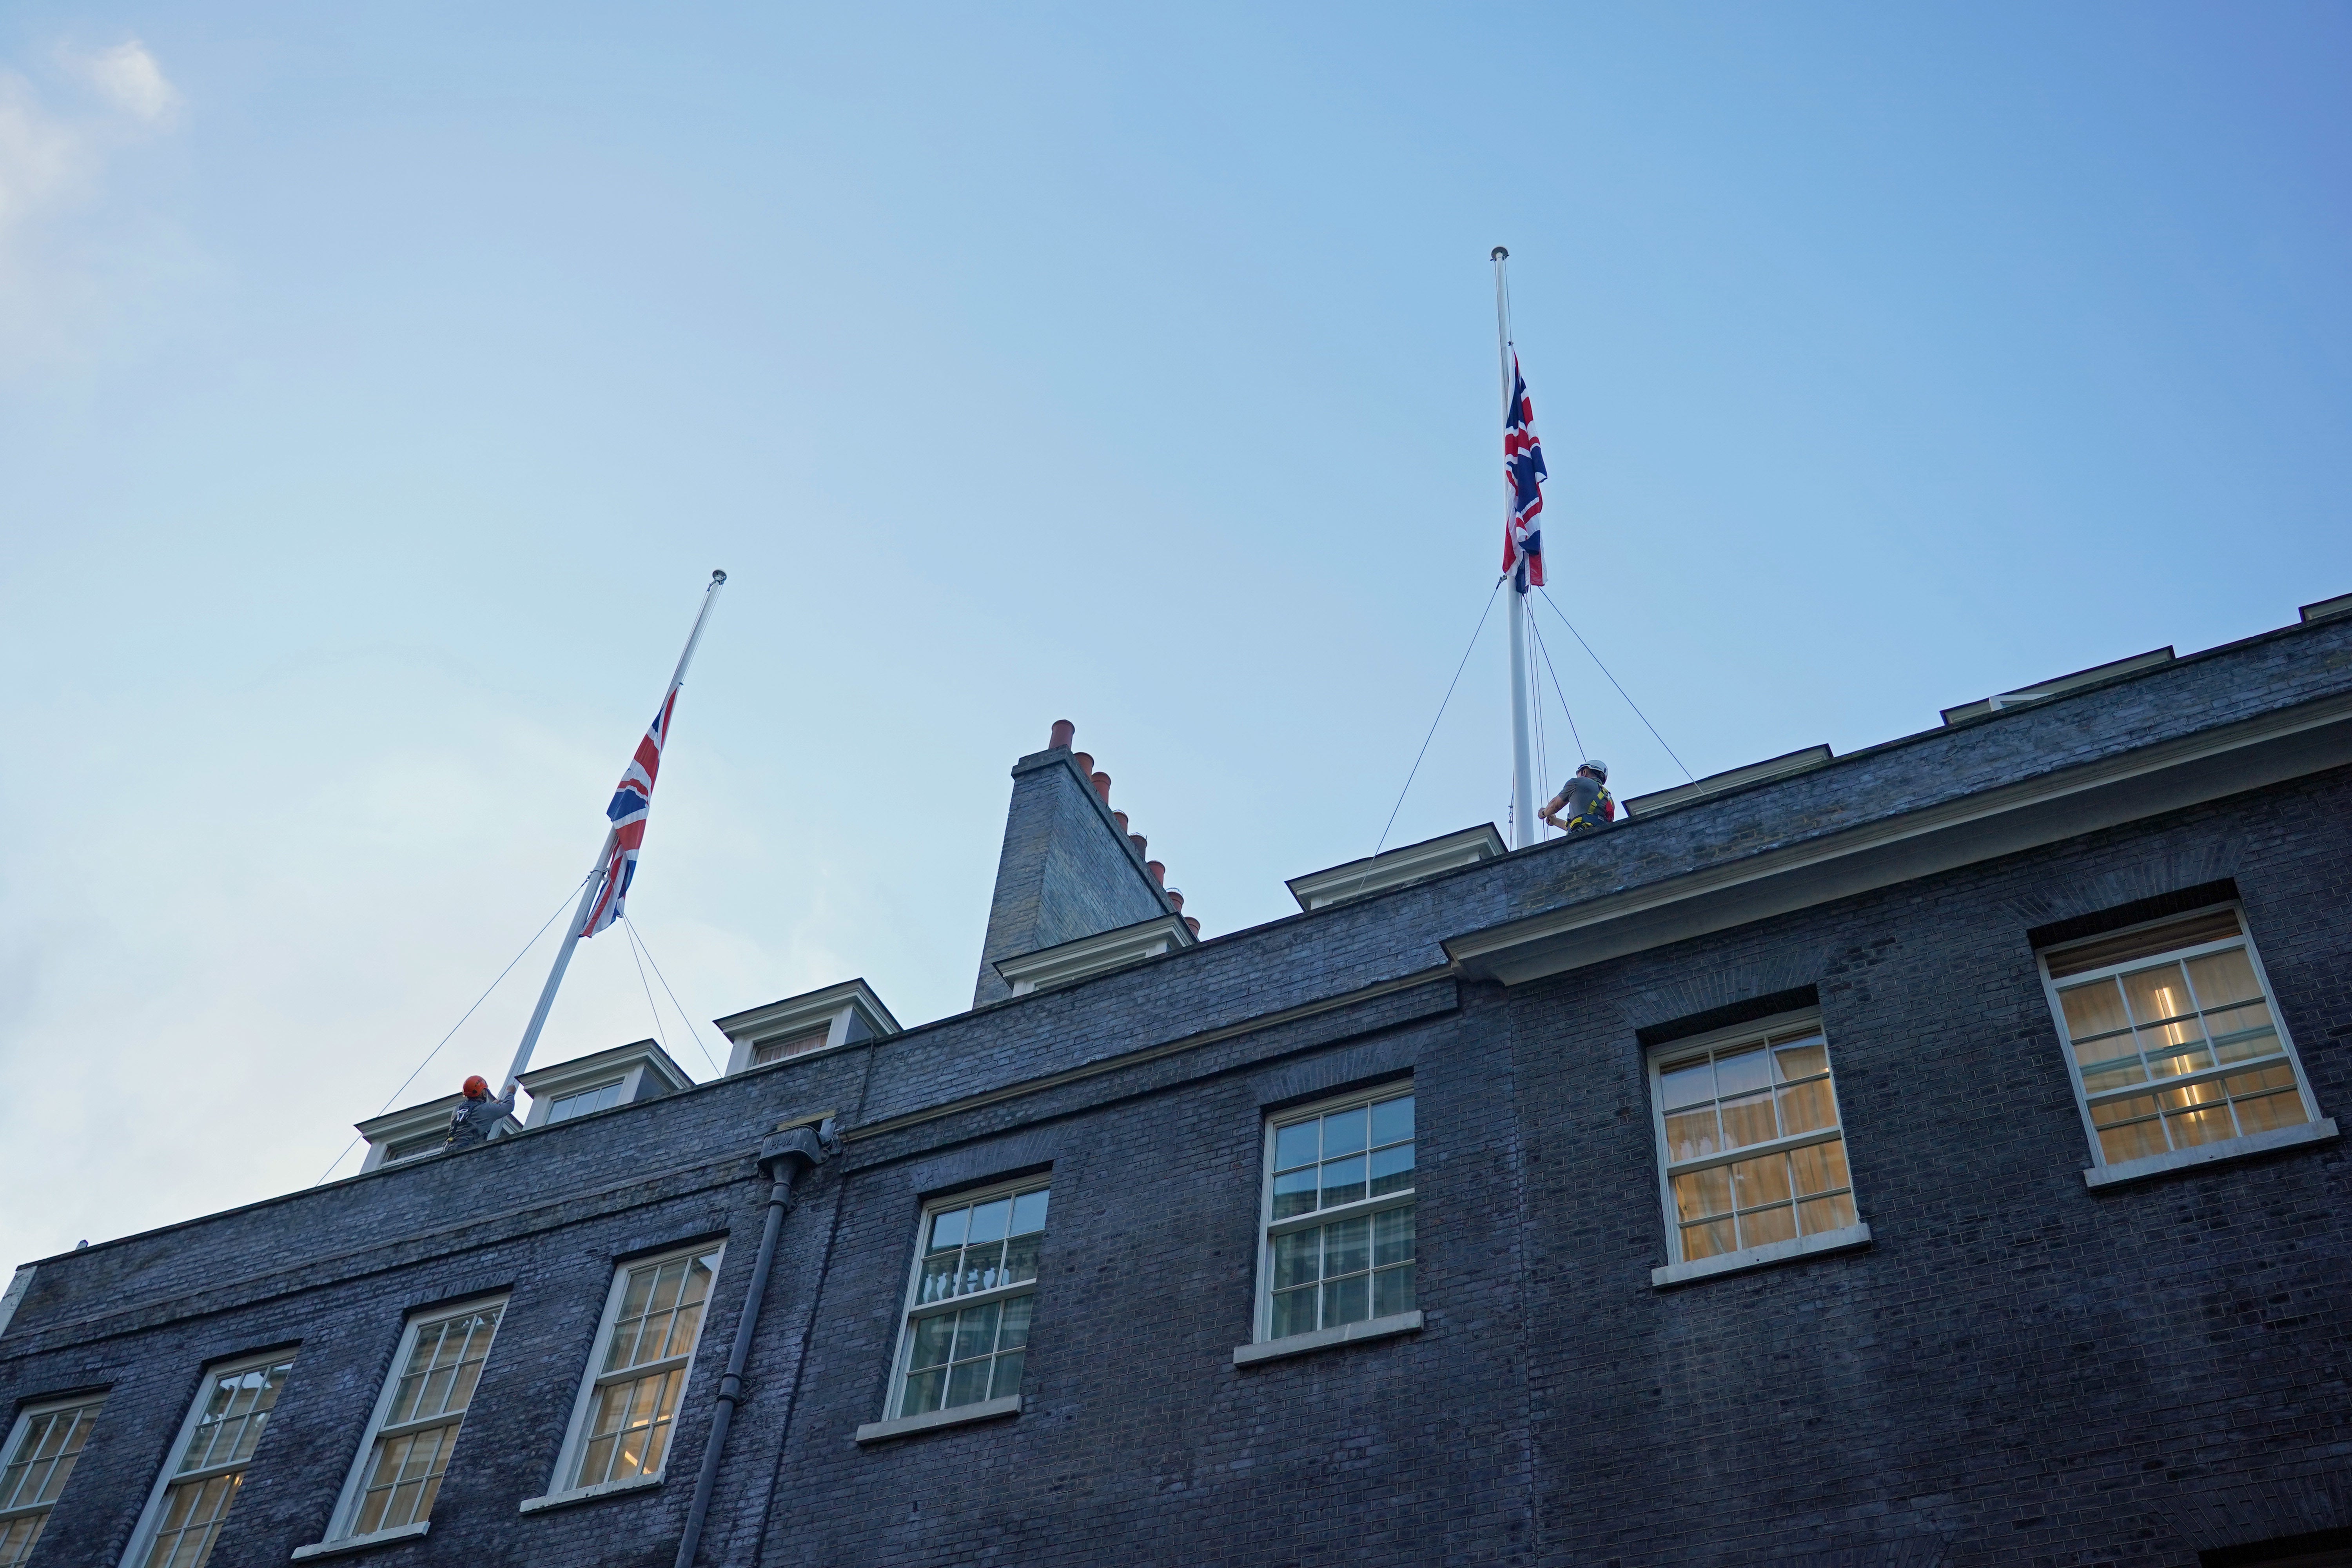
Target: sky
{"points": [[379, 385]]}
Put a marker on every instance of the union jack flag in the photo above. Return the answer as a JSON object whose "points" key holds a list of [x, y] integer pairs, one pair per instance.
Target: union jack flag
{"points": [[1523, 465], [632, 800]]}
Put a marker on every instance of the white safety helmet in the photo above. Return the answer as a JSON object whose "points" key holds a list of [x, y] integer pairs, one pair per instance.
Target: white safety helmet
{"points": [[1596, 767]]}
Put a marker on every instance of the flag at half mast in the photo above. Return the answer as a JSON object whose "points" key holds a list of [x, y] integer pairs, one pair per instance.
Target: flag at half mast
{"points": [[1523, 467], [633, 802]]}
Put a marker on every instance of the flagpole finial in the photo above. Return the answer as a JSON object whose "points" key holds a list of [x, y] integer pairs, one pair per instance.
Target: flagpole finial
{"points": [[1500, 254], [718, 577]]}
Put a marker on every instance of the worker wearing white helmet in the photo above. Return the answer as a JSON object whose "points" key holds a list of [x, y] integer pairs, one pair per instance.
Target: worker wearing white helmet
{"points": [[1583, 803]]}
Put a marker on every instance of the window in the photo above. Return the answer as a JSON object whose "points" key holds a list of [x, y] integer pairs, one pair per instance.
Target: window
{"points": [[604, 1097], [410, 1148], [199, 1485], [40, 1454], [1339, 1204], [767, 1051], [966, 1336], [1754, 1153], [406, 1450], [2172, 1039], [621, 1424]]}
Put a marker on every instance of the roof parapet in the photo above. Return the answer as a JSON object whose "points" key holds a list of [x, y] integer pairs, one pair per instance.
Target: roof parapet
{"points": [[1732, 778], [2063, 684]]}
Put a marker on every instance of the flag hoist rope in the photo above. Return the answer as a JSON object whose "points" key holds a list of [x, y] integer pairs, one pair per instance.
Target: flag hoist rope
{"points": [[1523, 799], [604, 856]]}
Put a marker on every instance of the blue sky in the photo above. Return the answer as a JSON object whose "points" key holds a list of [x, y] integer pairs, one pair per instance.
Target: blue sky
{"points": [[377, 389]]}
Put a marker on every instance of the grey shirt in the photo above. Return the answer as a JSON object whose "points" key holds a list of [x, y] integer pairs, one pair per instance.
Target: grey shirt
{"points": [[474, 1119]]}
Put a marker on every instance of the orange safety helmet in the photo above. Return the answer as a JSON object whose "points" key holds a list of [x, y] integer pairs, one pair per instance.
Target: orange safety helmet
{"points": [[477, 1087]]}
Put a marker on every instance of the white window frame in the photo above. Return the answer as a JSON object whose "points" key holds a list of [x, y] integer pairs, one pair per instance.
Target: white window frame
{"points": [[911, 1310], [592, 1376], [619, 1086], [2313, 1124], [1759, 1030], [150, 1517], [347, 1505], [1268, 1228], [93, 1403]]}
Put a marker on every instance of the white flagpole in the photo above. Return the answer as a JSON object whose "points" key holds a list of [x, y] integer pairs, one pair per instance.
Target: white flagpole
{"points": [[1524, 803], [588, 894]]}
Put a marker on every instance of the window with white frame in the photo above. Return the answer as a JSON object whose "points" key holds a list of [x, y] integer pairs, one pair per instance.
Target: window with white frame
{"points": [[39, 1456], [1753, 1151], [2173, 1038], [199, 1484], [1338, 1227], [966, 1334], [621, 1421], [766, 1051], [411, 1148], [415, 1427], [564, 1107]]}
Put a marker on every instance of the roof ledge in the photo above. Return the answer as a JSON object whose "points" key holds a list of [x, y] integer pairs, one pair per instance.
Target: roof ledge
{"points": [[2063, 684], [1732, 778]]}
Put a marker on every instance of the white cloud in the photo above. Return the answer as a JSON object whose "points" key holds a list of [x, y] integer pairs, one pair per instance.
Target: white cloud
{"points": [[128, 76], [42, 157], [65, 257]]}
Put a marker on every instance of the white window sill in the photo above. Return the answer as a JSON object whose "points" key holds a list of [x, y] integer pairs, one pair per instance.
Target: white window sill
{"points": [[589, 1494], [907, 1425], [361, 1542], [2319, 1132], [1323, 1339], [1842, 1240]]}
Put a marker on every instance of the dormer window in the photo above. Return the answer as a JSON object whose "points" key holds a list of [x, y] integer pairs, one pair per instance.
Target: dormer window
{"points": [[579, 1102], [401, 1137], [776, 1050], [586, 1085], [802, 1025]]}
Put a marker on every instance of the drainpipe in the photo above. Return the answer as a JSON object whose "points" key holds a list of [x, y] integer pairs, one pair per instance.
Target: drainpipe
{"points": [[782, 1157]]}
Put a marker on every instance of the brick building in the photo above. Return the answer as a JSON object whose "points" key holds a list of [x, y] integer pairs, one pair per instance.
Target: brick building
{"points": [[1921, 1157]]}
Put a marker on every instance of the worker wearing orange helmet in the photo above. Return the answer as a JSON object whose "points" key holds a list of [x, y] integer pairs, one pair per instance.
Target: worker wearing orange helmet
{"points": [[477, 1115]]}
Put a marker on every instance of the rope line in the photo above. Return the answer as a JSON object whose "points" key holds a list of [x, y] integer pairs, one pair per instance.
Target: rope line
{"points": [[460, 1024], [692, 1032], [1441, 715], [1541, 648], [1636, 707], [640, 962]]}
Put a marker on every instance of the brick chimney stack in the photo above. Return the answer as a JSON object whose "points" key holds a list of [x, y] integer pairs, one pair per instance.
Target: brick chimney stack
{"points": [[1069, 867]]}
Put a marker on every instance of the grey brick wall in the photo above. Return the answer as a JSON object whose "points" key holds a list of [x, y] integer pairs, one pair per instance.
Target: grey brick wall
{"points": [[2018, 1368]]}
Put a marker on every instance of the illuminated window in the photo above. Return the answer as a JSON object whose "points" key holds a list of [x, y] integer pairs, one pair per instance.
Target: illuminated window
{"points": [[1338, 1216], [2173, 1038], [627, 1409], [414, 1428], [39, 1456], [193, 1495], [1753, 1149], [965, 1340]]}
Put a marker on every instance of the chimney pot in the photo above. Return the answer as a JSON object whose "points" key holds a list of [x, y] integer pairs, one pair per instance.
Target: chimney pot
{"points": [[1102, 787], [1085, 763], [1120, 817], [1176, 896], [1159, 872], [1137, 840], [1064, 733], [1193, 925]]}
